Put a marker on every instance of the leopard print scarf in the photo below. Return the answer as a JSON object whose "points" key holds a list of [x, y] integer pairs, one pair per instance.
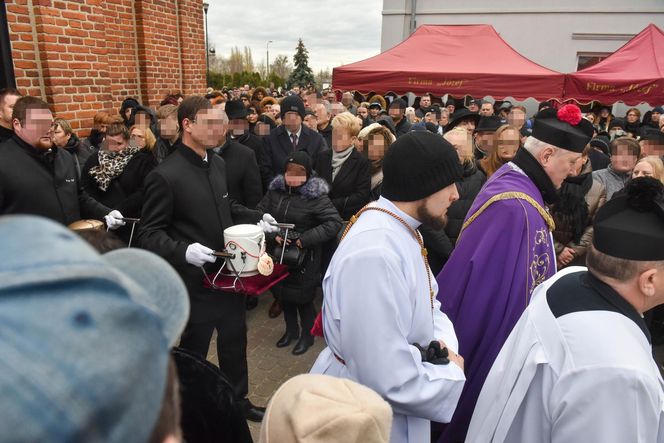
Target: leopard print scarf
{"points": [[111, 165]]}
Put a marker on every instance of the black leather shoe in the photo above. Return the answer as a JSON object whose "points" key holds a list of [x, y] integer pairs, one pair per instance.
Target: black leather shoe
{"points": [[303, 345], [286, 339], [252, 302], [252, 412]]}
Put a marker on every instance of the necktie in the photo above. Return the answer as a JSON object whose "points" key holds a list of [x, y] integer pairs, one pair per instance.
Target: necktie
{"points": [[294, 140]]}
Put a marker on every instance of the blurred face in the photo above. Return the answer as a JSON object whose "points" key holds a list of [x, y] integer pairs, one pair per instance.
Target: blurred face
{"points": [[262, 129], [245, 101], [37, 129], [622, 160], [486, 109], [341, 139], [259, 95], [295, 175], [331, 97], [362, 112], [461, 142], [425, 102], [473, 107], [238, 126], [114, 143], [373, 112], [516, 118], [347, 99], [643, 169], [376, 147], [128, 113], [396, 113], [604, 113], [661, 122], [206, 130], [137, 138], [292, 121], [432, 212], [558, 164], [336, 109], [311, 122], [655, 117], [267, 108], [142, 120], [507, 144], [485, 141], [6, 110], [276, 110], [632, 117], [450, 109], [168, 127], [60, 138]]}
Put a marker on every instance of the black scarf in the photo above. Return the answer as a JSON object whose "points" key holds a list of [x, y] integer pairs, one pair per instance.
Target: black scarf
{"points": [[524, 160], [572, 209]]}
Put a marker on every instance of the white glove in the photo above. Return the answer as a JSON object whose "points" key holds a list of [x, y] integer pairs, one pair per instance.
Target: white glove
{"points": [[268, 224], [198, 255], [114, 220]]}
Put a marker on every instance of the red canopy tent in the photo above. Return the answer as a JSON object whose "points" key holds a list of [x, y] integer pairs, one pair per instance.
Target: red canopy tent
{"points": [[451, 59], [633, 74]]}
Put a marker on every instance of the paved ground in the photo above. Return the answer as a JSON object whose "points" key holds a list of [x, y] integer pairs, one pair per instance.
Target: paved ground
{"points": [[269, 366]]}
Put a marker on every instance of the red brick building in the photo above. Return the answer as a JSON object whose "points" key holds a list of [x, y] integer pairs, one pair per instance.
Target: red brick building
{"points": [[83, 56]]}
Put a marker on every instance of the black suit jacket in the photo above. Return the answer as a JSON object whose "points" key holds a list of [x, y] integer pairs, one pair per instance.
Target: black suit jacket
{"points": [[186, 201], [242, 175], [351, 188], [278, 146]]}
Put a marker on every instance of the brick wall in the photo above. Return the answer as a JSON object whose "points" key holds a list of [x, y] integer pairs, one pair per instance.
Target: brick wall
{"points": [[84, 56]]}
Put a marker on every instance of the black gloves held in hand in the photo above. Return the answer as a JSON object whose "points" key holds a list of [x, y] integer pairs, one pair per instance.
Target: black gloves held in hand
{"points": [[434, 354]]}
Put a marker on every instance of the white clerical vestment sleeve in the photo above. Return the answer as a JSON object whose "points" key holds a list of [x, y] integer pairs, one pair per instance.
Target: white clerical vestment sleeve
{"points": [[375, 319], [606, 405], [442, 325]]}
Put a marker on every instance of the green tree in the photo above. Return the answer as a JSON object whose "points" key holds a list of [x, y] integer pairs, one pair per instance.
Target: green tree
{"points": [[302, 75]]}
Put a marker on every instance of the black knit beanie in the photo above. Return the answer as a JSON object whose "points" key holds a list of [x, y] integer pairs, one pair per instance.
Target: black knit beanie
{"points": [[300, 158], [292, 103], [418, 165]]}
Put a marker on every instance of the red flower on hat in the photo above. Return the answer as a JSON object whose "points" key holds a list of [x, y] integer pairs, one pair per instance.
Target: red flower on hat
{"points": [[570, 114]]}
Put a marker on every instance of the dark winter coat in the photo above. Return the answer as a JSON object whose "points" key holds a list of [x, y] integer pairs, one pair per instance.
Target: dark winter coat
{"points": [[126, 191], [163, 148], [327, 134], [186, 201], [35, 182], [315, 219], [351, 188], [80, 153], [242, 175], [255, 143], [403, 127], [5, 134], [278, 146], [469, 186]]}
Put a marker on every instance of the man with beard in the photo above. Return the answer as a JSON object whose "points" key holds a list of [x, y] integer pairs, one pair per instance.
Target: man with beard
{"points": [[38, 178], [397, 110], [376, 328], [505, 248]]}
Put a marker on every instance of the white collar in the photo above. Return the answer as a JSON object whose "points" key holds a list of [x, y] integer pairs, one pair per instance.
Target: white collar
{"points": [[297, 134], [387, 204], [205, 159]]}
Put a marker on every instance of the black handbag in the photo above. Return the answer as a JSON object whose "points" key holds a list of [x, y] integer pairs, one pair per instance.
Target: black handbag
{"points": [[293, 257]]}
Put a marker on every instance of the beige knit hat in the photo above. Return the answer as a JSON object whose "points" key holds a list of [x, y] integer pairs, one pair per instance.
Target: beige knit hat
{"points": [[314, 408]]}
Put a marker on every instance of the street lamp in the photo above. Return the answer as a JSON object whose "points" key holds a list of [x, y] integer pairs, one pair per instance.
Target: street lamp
{"points": [[267, 48], [207, 57]]}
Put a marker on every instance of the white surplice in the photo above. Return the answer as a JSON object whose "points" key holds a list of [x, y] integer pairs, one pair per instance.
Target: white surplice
{"points": [[376, 305], [587, 376]]}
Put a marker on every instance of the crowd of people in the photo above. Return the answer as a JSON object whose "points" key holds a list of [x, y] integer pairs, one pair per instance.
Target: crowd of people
{"points": [[467, 201]]}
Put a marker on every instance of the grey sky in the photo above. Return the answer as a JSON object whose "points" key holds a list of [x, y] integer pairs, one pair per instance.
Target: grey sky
{"points": [[335, 32]]}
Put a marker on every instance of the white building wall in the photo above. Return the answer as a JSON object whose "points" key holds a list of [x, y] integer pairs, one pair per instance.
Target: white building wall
{"points": [[548, 33]]}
